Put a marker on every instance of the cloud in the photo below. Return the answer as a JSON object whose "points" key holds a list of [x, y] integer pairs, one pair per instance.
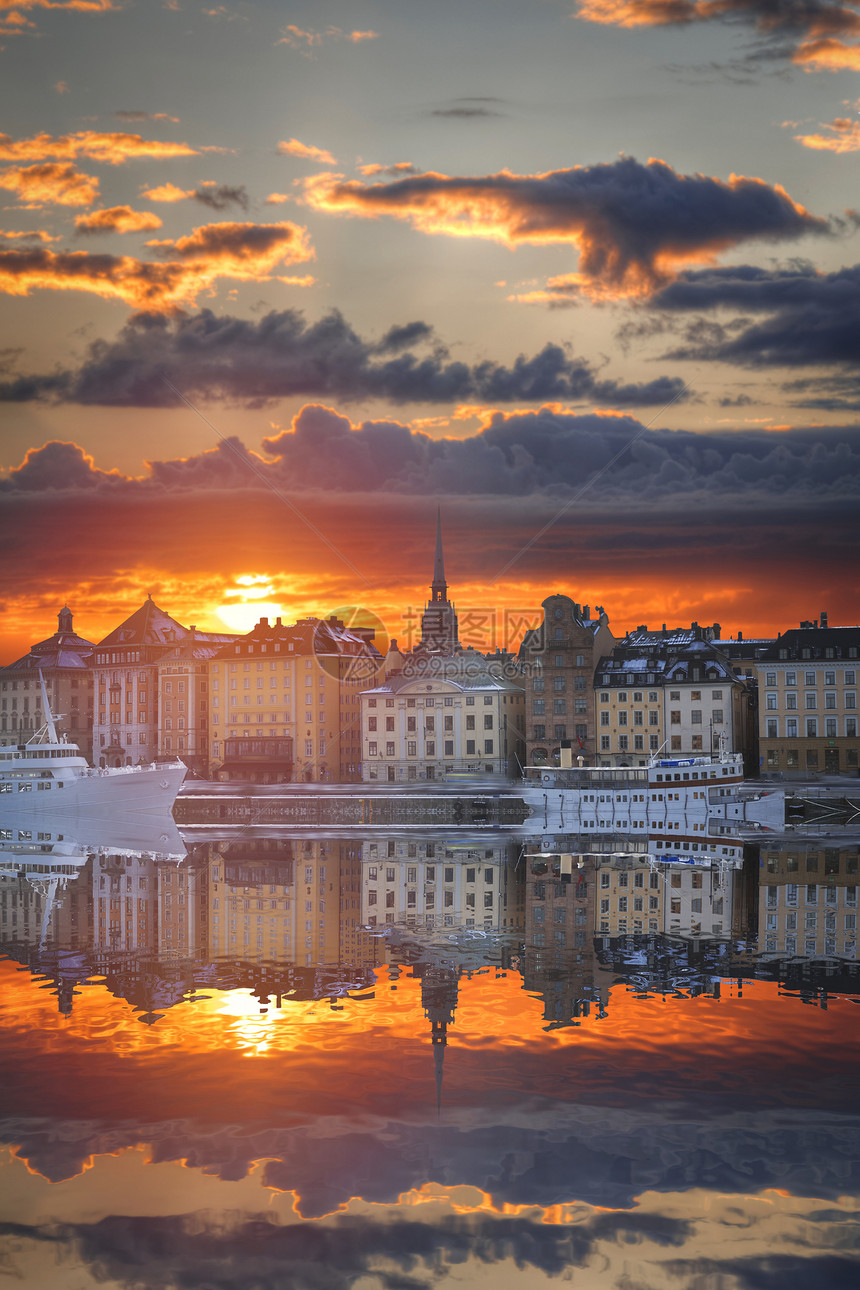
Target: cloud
{"points": [[136, 114], [247, 252], [806, 33], [633, 225], [517, 454], [398, 168], [112, 148], [464, 113], [307, 41], [293, 148], [117, 219], [32, 235], [281, 356], [277, 199], [811, 318], [216, 196], [167, 193], [49, 184], [844, 136]]}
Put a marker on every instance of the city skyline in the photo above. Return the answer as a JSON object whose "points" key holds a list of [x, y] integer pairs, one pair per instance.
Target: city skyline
{"points": [[284, 280]]}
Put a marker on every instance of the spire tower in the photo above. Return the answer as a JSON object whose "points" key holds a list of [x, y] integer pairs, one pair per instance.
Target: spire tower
{"points": [[439, 620]]}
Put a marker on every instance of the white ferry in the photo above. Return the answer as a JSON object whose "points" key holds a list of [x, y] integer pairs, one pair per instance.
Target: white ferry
{"points": [[675, 801], [50, 777]]}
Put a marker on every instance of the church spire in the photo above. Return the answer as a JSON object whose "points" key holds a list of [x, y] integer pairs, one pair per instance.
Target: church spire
{"points": [[439, 587]]}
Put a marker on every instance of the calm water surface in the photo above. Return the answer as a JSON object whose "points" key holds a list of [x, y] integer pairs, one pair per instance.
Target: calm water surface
{"points": [[406, 1063]]}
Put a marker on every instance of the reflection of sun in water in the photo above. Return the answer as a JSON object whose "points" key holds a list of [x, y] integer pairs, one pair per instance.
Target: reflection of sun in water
{"points": [[247, 603], [257, 1027]]}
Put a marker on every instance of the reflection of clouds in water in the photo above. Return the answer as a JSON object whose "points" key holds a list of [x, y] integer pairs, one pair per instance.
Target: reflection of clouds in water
{"points": [[537, 1156], [420, 1246]]}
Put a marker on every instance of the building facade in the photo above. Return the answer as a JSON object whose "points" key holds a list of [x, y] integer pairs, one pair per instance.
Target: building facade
{"points": [[807, 685], [284, 702], [423, 723], [808, 901], [670, 693], [559, 660], [64, 662]]}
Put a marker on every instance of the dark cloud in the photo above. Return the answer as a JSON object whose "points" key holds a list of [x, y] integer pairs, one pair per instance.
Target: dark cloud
{"points": [[633, 225], [810, 318], [809, 32], [464, 113], [283, 356], [520, 454], [219, 196]]}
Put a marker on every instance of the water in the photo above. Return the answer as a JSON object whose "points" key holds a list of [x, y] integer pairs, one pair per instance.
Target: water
{"points": [[323, 1063]]}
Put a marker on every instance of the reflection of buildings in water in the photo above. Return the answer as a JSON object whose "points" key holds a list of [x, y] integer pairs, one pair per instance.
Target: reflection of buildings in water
{"points": [[808, 901], [558, 957], [297, 900], [53, 909], [442, 883], [125, 903]]}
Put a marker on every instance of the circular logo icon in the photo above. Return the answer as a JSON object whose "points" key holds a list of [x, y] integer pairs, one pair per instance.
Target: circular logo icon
{"points": [[350, 644]]}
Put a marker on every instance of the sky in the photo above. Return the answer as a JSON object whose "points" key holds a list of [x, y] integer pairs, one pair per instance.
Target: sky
{"points": [[280, 279]]}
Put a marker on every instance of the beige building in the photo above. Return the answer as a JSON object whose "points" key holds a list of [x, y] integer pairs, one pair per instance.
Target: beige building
{"points": [[428, 721], [667, 691], [807, 688], [629, 897]]}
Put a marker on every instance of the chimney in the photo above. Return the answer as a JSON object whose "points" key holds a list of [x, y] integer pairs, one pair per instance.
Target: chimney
{"points": [[264, 622], [586, 612], [278, 622], [824, 618], [740, 636]]}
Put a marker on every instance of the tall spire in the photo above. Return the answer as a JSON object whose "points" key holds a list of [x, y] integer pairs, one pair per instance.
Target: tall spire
{"points": [[439, 587]]}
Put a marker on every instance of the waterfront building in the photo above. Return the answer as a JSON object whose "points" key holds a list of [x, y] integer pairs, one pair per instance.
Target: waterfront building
{"points": [[284, 702], [128, 724], [64, 661], [428, 721], [670, 692], [559, 660], [807, 684], [183, 698], [629, 896]]}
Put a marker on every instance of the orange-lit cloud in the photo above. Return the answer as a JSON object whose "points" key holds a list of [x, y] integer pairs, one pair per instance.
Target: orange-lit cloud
{"points": [[818, 24], [246, 252], [34, 235], [844, 136], [293, 148], [112, 148], [167, 193], [50, 184], [277, 199], [117, 219], [634, 226], [827, 54], [307, 41]]}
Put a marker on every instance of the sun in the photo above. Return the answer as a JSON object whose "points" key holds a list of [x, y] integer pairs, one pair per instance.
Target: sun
{"points": [[246, 602]]}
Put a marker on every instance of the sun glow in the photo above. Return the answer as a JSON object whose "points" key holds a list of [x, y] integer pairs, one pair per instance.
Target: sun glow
{"points": [[246, 602]]}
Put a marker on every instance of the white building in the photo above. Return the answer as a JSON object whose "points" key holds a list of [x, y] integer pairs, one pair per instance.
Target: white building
{"points": [[454, 715], [439, 884]]}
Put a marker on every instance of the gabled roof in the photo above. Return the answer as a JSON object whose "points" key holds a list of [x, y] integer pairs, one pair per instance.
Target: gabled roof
{"points": [[148, 625]]}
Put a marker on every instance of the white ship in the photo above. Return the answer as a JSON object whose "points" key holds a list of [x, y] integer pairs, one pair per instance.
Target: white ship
{"points": [[49, 779], [683, 805]]}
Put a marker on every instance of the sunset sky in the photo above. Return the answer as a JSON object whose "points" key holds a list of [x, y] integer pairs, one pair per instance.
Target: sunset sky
{"points": [[280, 278]]}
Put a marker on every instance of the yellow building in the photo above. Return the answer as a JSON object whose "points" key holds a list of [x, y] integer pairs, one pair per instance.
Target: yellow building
{"points": [[284, 702]]}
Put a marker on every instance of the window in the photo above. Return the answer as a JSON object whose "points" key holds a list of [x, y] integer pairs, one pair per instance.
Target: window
{"points": [[389, 748], [371, 723], [717, 716], [449, 747], [558, 683], [604, 743], [791, 728], [770, 702], [653, 718], [411, 748], [622, 743], [488, 721], [811, 728], [696, 716], [604, 718], [791, 702], [809, 678], [811, 701], [772, 728], [539, 707], [675, 717], [559, 706], [488, 747], [830, 701], [622, 718], [830, 727]]}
